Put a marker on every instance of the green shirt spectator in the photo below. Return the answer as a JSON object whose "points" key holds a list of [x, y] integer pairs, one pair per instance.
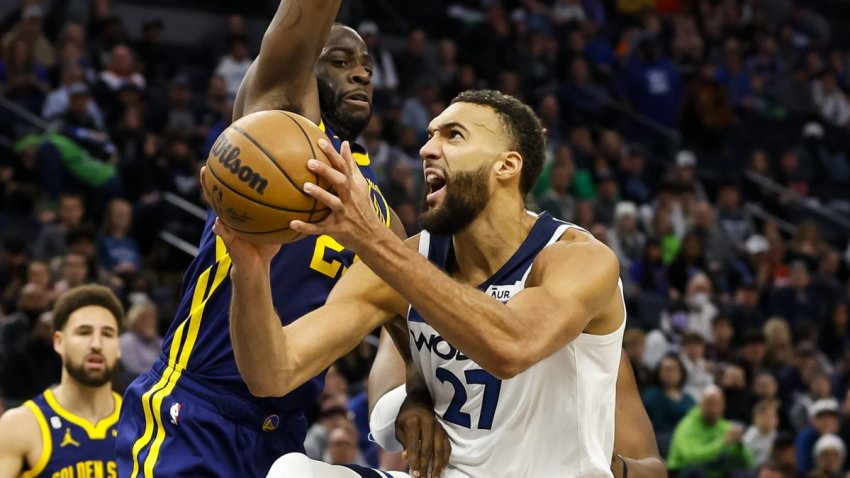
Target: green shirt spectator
{"points": [[705, 439]]}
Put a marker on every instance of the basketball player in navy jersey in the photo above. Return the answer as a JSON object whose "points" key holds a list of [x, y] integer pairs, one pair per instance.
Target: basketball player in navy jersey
{"points": [[192, 414], [70, 430], [515, 319]]}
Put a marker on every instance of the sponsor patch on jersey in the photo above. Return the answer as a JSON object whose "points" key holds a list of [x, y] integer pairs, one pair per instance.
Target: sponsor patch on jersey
{"points": [[504, 293]]}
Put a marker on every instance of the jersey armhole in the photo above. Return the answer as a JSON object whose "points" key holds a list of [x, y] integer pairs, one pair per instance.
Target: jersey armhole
{"points": [[46, 442]]}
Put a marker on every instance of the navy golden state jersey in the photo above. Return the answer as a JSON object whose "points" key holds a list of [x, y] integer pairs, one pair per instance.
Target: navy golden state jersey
{"points": [[302, 275], [72, 447]]}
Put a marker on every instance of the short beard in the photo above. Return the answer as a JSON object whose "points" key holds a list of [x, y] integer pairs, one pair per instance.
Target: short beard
{"points": [[79, 374], [346, 125], [465, 197]]}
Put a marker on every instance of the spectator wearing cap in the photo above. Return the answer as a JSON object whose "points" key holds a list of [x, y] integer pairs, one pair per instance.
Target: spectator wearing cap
{"points": [[820, 387], [666, 401], [234, 64], [824, 415], [829, 455], [707, 441], [31, 30], [684, 174], [760, 435]]}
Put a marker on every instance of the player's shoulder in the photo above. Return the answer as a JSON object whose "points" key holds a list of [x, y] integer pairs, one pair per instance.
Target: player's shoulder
{"points": [[574, 252], [19, 428]]}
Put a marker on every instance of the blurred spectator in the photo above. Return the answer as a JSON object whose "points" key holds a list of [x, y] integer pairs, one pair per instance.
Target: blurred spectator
{"points": [[32, 365], [22, 78], [119, 75], [731, 215], [739, 400], [414, 113], [416, 61], [745, 310], [154, 61], [234, 65], [819, 388], [651, 84], [31, 30], [830, 100], [824, 422], [68, 96], [829, 454], [333, 414], [834, 339], [719, 250], [797, 302], [784, 455], [723, 333], [627, 241], [634, 346], [141, 344], [51, 239], [117, 250], [385, 78], [605, 204], [666, 402], [13, 267], [758, 439], [705, 439], [16, 327], [74, 272], [684, 174], [700, 370], [343, 446], [650, 272]]}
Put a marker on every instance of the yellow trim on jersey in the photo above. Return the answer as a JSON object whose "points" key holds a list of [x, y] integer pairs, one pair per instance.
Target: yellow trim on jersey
{"points": [[362, 159], [176, 364], [46, 442], [95, 431]]}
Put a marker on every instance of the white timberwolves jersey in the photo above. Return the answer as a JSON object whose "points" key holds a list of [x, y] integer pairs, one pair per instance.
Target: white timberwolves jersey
{"points": [[555, 420]]}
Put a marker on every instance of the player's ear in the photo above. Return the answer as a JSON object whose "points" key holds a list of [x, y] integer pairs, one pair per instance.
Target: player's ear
{"points": [[57, 342], [509, 166]]}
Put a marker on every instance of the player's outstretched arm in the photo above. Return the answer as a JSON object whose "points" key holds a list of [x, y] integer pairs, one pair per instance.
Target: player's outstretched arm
{"points": [[19, 434], [634, 440], [282, 75], [571, 283], [274, 360]]}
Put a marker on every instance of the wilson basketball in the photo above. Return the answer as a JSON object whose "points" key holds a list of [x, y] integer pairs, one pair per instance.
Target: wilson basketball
{"points": [[256, 172]]}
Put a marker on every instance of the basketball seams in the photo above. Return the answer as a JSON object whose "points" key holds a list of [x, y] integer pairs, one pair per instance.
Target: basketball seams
{"points": [[313, 152], [269, 157], [252, 199]]}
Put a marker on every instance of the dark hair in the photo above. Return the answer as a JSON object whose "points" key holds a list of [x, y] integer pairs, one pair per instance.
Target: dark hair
{"points": [[84, 296], [522, 125], [675, 358]]}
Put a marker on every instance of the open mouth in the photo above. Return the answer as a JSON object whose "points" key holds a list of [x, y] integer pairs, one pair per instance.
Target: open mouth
{"points": [[95, 361], [358, 98], [435, 182]]}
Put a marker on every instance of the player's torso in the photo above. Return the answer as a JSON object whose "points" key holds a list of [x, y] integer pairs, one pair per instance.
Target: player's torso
{"points": [[529, 425], [302, 275], [71, 446]]}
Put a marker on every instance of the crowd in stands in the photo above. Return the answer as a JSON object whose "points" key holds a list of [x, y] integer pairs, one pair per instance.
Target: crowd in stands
{"points": [[704, 141]]}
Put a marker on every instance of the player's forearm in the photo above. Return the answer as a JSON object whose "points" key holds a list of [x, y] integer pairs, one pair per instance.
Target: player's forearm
{"points": [[257, 336], [479, 325], [296, 36], [642, 468]]}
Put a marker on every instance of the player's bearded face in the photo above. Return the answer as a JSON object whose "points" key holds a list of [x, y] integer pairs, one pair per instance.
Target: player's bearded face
{"points": [[466, 195], [78, 370], [346, 120]]}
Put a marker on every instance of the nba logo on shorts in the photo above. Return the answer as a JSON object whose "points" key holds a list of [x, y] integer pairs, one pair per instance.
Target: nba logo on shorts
{"points": [[271, 423], [175, 412]]}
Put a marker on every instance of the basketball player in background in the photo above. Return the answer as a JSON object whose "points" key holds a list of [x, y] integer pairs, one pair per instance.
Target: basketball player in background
{"points": [[70, 430], [192, 414], [515, 319]]}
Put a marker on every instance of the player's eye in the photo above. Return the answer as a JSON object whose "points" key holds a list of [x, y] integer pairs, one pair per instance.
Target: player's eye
{"points": [[454, 134], [339, 63]]}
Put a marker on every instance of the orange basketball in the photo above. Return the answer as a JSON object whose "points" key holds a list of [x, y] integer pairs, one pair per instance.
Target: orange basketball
{"points": [[256, 172]]}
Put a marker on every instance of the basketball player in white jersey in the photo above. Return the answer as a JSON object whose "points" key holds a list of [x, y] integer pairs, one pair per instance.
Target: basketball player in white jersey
{"points": [[515, 319]]}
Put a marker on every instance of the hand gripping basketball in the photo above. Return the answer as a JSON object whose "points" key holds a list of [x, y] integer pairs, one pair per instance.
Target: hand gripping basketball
{"points": [[352, 220]]}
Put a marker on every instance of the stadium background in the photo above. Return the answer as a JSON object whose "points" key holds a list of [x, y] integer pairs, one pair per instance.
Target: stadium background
{"points": [[704, 141]]}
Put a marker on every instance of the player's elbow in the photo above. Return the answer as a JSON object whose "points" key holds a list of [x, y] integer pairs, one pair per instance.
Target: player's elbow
{"points": [[268, 386], [510, 361]]}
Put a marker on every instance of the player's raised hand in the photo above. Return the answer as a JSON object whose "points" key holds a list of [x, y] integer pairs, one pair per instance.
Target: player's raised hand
{"points": [[353, 219], [425, 442]]}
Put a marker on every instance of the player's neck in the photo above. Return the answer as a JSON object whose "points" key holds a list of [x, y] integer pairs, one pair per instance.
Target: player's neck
{"points": [[492, 238], [91, 403]]}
